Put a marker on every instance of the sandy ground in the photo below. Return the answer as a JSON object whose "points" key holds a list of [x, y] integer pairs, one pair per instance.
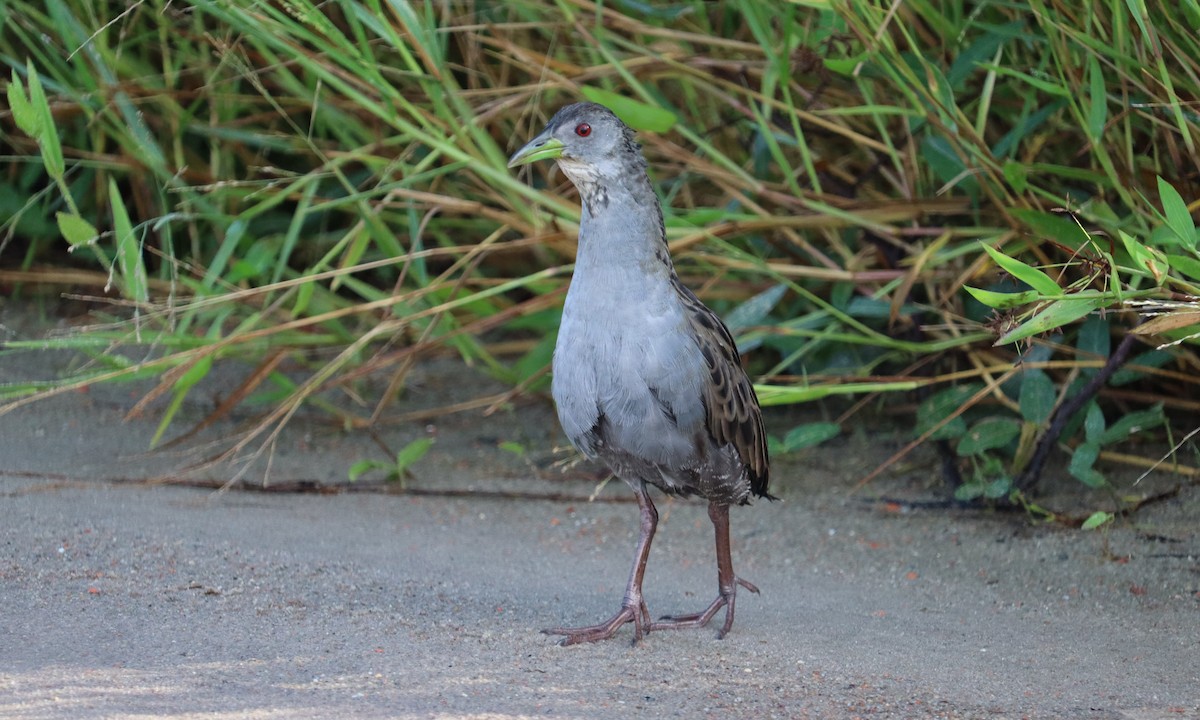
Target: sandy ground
{"points": [[126, 598]]}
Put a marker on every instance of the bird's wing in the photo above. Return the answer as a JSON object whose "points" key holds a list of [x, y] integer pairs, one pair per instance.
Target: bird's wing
{"points": [[730, 404]]}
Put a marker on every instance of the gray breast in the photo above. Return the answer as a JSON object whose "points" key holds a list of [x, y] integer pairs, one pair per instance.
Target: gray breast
{"points": [[628, 381]]}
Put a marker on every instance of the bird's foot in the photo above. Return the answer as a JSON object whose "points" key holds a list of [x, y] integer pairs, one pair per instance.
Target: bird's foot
{"points": [[630, 612], [696, 620]]}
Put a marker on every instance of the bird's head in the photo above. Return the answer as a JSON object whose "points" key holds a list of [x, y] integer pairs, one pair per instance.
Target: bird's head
{"points": [[588, 141]]}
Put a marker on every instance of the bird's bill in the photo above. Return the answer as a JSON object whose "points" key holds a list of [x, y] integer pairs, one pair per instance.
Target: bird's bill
{"points": [[542, 147]]}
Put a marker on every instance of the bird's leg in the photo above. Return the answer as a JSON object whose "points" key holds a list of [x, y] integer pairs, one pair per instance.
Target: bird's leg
{"points": [[727, 582], [633, 607]]}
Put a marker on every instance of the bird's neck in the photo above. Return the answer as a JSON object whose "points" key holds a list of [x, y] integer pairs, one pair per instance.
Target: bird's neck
{"points": [[621, 229]]}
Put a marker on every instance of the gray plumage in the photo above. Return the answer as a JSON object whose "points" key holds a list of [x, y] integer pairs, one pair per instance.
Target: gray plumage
{"points": [[646, 378]]}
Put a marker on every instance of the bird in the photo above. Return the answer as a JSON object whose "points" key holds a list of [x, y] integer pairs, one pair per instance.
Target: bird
{"points": [[645, 377]]}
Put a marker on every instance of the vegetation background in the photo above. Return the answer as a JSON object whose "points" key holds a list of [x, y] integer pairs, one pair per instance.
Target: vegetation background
{"points": [[975, 215]]}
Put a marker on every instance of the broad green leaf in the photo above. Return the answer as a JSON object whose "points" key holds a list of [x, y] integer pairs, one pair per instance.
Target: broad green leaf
{"points": [[635, 113], [1132, 423], [411, 453], [988, 434], [1029, 275], [1054, 315], [1189, 266], [1081, 464], [75, 230], [1093, 422], [810, 435], [1060, 228], [1178, 218], [1002, 300], [1037, 396], [1096, 519]]}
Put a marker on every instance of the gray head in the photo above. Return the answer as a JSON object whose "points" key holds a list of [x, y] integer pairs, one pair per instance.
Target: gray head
{"points": [[589, 142]]}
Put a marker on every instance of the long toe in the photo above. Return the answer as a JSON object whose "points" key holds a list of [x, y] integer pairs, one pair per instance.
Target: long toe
{"points": [[692, 620], [726, 599], [639, 616]]}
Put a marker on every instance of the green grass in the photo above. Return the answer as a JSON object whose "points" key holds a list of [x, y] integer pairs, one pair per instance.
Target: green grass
{"points": [[325, 183]]}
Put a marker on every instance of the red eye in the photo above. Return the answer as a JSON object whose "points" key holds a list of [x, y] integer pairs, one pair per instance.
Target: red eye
{"points": [[583, 129]]}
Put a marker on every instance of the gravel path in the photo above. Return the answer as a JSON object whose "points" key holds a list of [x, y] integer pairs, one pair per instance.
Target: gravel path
{"points": [[126, 599]]}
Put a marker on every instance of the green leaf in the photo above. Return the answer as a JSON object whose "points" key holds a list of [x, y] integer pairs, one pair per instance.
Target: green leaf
{"points": [[47, 136], [1137, 8], [1094, 337], [968, 491], [1096, 519], [129, 256], [941, 404], [1017, 175], [27, 120], [661, 12], [515, 448], [1178, 218], [1002, 300], [75, 229], [1147, 259], [810, 435], [1097, 100], [1047, 86], [1081, 464], [362, 467], [1189, 266], [997, 488], [1054, 315], [634, 113], [755, 310], [1093, 423], [411, 453], [1037, 396], [988, 434], [1031, 276], [939, 154], [846, 66], [183, 385], [1061, 228], [1133, 370], [1132, 423], [534, 361]]}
